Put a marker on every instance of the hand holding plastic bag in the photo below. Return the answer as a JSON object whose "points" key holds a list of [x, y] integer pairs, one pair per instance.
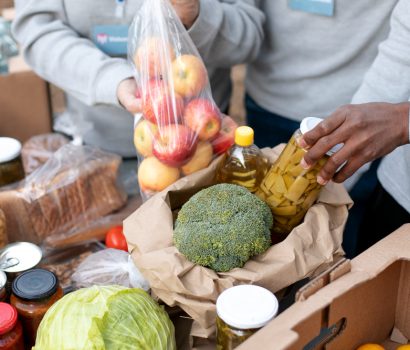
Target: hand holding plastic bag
{"points": [[182, 128], [109, 267]]}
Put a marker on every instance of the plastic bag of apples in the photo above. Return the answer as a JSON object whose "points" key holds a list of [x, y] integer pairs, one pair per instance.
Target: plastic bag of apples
{"points": [[181, 129]]}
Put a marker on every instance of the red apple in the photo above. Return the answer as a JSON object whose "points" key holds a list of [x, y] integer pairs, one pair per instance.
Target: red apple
{"points": [[159, 106], [203, 117], [148, 56], [200, 160], [175, 145], [155, 176], [226, 137], [189, 75], [144, 134]]}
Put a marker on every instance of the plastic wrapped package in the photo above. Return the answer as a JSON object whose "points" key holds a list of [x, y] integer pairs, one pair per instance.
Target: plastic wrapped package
{"points": [[64, 262], [74, 189], [38, 149], [181, 129], [3, 230], [109, 267]]}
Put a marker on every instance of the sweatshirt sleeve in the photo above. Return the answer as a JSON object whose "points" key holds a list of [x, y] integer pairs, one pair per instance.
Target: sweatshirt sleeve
{"points": [[228, 32], [58, 54], [388, 79]]}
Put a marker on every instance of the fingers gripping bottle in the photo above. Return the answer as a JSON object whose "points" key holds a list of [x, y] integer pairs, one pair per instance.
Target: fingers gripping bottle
{"points": [[244, 164]]}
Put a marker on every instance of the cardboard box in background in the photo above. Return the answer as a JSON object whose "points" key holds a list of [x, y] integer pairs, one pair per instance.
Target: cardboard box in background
{"points": [[371, 304], [6, 4], [25, 107]]}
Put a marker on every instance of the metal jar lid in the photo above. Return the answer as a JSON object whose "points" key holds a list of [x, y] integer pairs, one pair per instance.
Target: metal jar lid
{"points": [[8, 318], [247, 306], [310, 123], [9, 149], [19, 257], [35, 285]]}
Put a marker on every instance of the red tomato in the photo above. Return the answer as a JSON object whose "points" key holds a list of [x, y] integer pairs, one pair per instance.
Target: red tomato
{"points": [[116, 239]]}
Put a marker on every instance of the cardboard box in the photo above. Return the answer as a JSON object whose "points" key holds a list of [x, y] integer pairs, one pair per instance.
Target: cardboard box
{"points": [[25, 102], [6, 4], [366, 300]]}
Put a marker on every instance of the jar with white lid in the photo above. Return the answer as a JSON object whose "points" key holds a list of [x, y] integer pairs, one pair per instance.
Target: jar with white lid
{"points": [[11, 166], [289, 189], [241, 312]]}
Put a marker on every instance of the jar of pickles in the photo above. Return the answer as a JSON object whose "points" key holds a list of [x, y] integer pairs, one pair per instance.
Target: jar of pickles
{"points": [[287, 188], [241, 312], [11, 166], [34, 292]]}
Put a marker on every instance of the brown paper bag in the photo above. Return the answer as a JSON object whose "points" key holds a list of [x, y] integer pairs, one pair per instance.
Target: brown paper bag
{"points": [[194, 288]]}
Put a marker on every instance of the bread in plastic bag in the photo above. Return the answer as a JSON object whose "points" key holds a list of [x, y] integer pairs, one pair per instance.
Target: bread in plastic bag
{"points": [[109, 267], [181, 129], [75, 188], [3, 230], [38, 149]]}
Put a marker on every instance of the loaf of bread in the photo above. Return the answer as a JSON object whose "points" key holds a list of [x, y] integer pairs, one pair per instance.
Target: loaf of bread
{"points": [[39, 149], [75, 188]]}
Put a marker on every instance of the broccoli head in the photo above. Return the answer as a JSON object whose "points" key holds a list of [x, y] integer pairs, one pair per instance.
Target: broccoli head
{"points": [[222, 226]]}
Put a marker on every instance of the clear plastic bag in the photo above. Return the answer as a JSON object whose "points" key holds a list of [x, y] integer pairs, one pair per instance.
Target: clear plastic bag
{"points": [[109, 267], [73, 191], [38, 149], [181, 129]]}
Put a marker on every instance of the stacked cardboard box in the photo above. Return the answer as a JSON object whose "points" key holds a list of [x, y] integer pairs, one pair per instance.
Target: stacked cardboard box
{"points": [[4, 4], [25, 102], [24, 97]]}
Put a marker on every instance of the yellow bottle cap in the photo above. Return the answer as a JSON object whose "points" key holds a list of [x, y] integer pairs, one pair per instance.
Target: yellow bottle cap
{"points": [[244, 136]]}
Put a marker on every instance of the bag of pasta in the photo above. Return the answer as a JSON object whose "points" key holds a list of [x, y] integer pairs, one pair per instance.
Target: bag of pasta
{"points": [[181, 128]]}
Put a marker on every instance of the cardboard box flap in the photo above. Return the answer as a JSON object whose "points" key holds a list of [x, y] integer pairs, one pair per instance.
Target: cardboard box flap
{"points": [[339, 269], [403, 306]]}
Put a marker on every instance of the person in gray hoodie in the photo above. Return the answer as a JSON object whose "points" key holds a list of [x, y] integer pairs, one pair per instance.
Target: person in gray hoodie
{"points": [[81, 46], [370, 130], [313, 58]]}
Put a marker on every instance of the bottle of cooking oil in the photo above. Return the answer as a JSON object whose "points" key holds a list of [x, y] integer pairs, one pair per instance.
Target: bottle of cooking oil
{"points": [[244, 164]]}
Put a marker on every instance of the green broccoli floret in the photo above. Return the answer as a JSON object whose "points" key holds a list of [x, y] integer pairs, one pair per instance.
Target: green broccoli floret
{"points": [[221, 227]]}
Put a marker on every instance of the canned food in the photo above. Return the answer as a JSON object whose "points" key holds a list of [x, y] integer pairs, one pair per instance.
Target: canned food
{"points": [[18, 257], [11, 165], [3, 292]]}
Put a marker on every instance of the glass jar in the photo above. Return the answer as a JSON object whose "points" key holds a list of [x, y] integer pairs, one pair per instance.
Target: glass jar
{"points": [[244, 164], [11, 166], [34, 292], [287, 188], [11, 332], [3, 291], [241, 312]]}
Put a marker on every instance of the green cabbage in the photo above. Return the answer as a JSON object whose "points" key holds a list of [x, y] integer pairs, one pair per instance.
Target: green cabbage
{"points": [[110, 318]]}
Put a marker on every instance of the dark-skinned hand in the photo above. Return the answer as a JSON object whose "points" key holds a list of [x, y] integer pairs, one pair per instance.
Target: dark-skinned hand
{"points": [[368, 131]]}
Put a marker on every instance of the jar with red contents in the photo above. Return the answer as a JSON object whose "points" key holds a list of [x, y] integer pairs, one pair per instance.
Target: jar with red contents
{"points": [[11, 331], [34, 292]]}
